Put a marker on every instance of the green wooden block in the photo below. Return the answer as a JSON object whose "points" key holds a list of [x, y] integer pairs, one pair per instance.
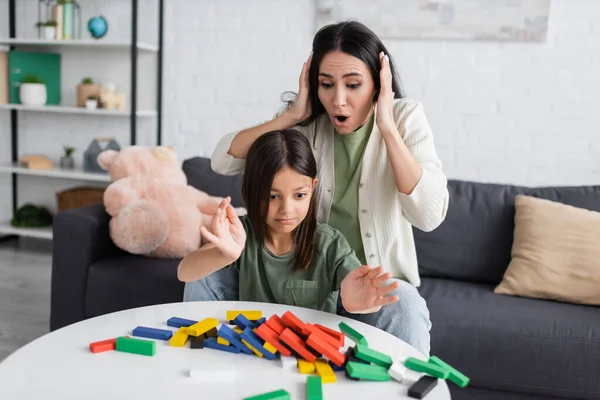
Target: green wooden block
{"points": [[136, 346], [427, 368], [367, 372], [314, 388], [352, 334], [275, 395], [365, 353], [455, 376]]}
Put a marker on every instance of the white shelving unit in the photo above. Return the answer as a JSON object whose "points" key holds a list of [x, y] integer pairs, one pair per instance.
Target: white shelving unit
{"points": [[143, 101]]}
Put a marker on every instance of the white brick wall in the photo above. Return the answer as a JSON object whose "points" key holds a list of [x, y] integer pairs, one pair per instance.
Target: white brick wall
{"points": [[523, 113]]}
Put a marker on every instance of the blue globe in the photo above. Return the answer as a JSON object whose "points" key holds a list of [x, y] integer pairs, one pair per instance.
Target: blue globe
{"points": [[97, 26]]}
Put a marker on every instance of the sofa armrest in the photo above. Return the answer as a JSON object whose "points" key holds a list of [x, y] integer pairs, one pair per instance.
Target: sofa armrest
{"points": [[80, 238]]}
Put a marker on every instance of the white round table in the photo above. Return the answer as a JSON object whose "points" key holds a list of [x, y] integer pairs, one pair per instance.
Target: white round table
{"points": [[60, 365]]}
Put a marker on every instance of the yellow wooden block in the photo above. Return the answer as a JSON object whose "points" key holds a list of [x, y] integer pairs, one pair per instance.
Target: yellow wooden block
{"points": [[179, 338], [252, 315], [238, 329], [325, 371], [258, 353], [305, 367], [269, 347], [222, 341], [201, 327]]}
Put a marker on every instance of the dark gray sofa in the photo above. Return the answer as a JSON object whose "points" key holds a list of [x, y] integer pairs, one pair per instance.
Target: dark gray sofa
{"points": [[510, 347]]}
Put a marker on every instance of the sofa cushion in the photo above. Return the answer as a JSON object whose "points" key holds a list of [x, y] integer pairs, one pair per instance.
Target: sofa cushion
{"points": [[555, 253], [512, 343], [130, 281], [201, 176], [474, 241]]}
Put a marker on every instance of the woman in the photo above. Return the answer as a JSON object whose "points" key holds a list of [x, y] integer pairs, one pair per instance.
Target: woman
{"points": [[379, 172]]}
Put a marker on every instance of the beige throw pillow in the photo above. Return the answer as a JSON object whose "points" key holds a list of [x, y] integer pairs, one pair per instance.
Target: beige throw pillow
{"points": [[555, 253]]}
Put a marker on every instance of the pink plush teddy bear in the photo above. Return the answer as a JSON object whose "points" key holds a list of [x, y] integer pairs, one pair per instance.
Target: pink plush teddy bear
{"points": [[154, 211]]}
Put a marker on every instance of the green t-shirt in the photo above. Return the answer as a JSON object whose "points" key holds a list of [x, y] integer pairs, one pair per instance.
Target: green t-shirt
{"points": [[348, 153], [265, 277]]}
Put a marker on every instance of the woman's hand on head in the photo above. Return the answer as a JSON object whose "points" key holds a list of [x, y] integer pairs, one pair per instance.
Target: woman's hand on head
{"points": [[363, 291], [228, 233], [301, 109], [385, 102]]}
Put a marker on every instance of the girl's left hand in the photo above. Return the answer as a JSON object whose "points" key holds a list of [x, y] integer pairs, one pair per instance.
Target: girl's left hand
{"points": [[362, 290], [385, 102]]}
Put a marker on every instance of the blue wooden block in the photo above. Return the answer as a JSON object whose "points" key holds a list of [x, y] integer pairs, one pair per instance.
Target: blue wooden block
{"points": [[211, 343], [260, 322], [242, 322], [249, 336], [234, 338], [177, 322], [152, 333], [336, 368]]}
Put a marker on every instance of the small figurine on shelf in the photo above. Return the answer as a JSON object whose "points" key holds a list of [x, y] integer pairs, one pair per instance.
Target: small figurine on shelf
{"points": [[91, 103], [110, 99], [48, 28], [97, 27], [66, 161]]}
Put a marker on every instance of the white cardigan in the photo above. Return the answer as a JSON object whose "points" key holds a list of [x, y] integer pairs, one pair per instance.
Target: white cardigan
{"points": [[386, 215]]}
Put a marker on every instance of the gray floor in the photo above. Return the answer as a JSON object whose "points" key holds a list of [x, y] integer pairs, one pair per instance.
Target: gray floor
{"points": [[24, 292]]}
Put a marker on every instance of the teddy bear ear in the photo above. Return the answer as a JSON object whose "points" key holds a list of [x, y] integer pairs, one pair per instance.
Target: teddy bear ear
{"points": [[164, 154], [106, 158]]}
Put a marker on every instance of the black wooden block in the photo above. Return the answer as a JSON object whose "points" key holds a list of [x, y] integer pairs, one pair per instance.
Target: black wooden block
{"points": [[421, 387]]}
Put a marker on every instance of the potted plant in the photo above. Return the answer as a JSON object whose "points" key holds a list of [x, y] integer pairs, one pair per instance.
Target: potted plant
{"points": [[66, 161], [48, 28], [86, 89], [91, 103], [32, 91]]}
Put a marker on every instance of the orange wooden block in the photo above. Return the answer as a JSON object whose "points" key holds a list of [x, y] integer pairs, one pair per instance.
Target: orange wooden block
{"points": [[104, 345], [275, 324], [268, 335], [339, 336], [294, 341], [324, 336], [316, 342], [295, 323]]}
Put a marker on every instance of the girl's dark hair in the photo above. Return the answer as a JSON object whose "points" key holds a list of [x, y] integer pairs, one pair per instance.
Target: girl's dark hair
{"points": [[266, 157], [355, 39]]}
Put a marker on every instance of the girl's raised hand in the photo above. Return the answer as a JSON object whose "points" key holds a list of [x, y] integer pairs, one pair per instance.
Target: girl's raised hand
{"points": [[363, 290], [228, 233]]}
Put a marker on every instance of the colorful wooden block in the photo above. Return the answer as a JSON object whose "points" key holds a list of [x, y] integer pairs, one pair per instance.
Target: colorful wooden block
{"points": [[274, 395], [242, 322], [314, 388], [270, 348], [324, 336], [350, 356], [316, 341], [337, 367], [260, 321], [288, 363], [103, 345], [252, 315], [367, 354], [454, 375], [256, 342], [177, 322], [353, 334], [197, 342], [269, 336], [426, 368], [367, 372], [222, 341], [305, 367], [234, 338], [294, 323], [294, 341], [398, 370], [274, 322], [152, 333], [201, 327], [255, 351], [211, 343], [422, 387], [325, 371], [211, 333], [338, 336], [136, 346], [179, 338]]}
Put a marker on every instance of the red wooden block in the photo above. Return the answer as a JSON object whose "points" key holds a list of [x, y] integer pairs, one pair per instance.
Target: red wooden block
{"points": [[268, 335], [324, 336], [316, 342], [339, 336], [275, 324], [104, 345], [294, 323], [294, 341]]}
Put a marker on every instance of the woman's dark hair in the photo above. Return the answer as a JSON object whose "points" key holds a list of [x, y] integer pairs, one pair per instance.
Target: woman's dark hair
{"points": [[266, 157], [355, 39]]}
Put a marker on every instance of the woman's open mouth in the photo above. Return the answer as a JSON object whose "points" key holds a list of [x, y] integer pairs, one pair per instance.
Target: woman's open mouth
{"points": [[341, 120]]}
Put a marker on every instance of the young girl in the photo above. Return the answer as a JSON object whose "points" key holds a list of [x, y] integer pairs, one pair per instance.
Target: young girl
{"points": [[279, 252]]}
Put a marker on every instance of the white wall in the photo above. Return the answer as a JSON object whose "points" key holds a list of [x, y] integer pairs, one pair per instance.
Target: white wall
{"points": [[523, 113]]}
